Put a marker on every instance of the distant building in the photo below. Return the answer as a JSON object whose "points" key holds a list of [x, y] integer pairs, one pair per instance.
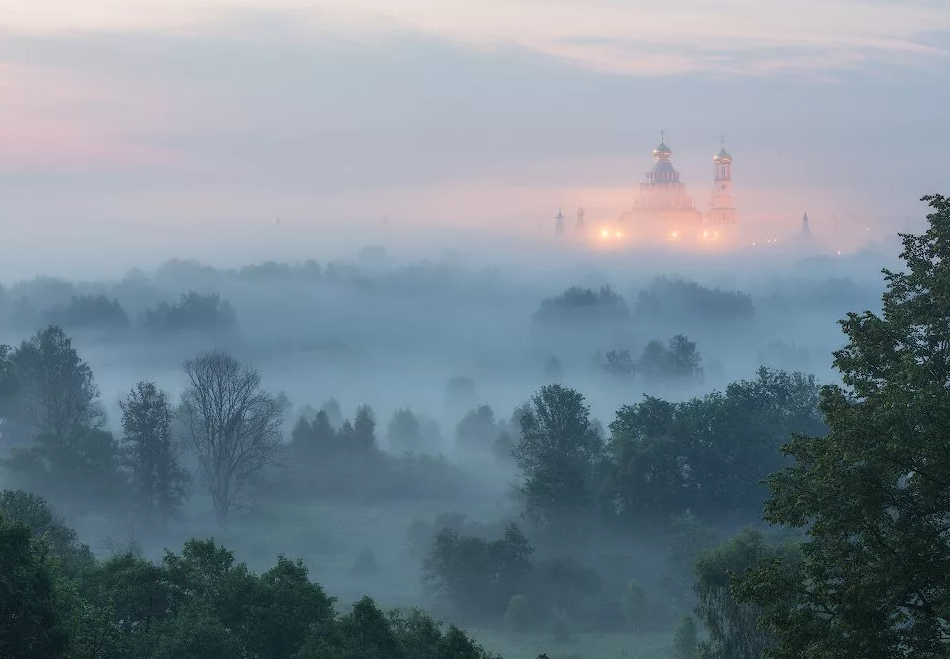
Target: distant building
{"points": [[580, 227], [721, 219], [662, 209], [559, 223]]}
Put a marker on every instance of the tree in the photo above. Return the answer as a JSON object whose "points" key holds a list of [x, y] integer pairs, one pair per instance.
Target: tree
{"points": [[683, 361], [30, 625], [364, 431], [874, 493], [231, 424], [559, 454], [477, 430], [619, 364], [405, 432], [20, 507], [156, 476], [9, 388], [334, 414], [731, 625], [57, 393]]}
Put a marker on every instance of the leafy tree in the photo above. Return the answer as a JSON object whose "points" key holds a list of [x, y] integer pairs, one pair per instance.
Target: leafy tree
{"points": [[477, 429], [478, 577], [56, 390], [731, 624], [683, 361], [873, 493], [156, 476], [9, 388], [30, 624], [231, 424], [582, 304], [619, 364], [20, 507], [89, 311], [405, 432], [83, 472], [193, 312], [709, 454], [560, 455], [675, 301]]}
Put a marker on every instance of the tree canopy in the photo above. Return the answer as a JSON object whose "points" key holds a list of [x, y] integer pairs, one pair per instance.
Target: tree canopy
{"points": [[874, 493]]}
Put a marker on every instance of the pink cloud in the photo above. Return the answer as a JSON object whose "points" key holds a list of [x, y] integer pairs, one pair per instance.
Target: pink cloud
{"points": [[73, 120]]}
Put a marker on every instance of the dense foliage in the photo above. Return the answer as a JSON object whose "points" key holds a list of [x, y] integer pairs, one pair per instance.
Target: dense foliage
{"points": [[874, 493], [198, 604]]}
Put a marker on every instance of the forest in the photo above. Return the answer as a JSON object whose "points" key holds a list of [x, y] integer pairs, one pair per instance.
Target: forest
{"points": [[438, 464]]}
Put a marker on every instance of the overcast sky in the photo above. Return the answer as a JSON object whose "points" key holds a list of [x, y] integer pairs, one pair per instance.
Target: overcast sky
{"points": [[139, 123]]}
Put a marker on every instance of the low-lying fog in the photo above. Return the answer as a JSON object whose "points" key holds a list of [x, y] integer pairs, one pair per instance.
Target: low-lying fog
{"points": [[440, 334]]}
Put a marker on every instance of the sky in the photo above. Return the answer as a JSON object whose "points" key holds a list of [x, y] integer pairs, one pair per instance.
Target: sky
{"points": [[135, 130]]}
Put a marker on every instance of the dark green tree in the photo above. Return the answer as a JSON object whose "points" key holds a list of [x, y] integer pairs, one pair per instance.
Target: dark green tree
{"points": [[56, 391], [731, 625], [560, 454], [35, 512], [364, 431], [31, 626], [156, 476], [874, 493]]}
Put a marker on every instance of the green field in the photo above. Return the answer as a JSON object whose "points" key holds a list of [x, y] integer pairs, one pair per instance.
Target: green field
{"points": [[587, 646]]}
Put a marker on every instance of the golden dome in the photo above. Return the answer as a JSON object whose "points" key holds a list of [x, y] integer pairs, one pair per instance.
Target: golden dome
{"points": [[662, 151], [722, 156]]}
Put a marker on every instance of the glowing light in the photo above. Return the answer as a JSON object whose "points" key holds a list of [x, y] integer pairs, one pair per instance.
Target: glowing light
{"points": [[705, 234], [839, 252], [676, 234], [619, 235], [605, 233]]}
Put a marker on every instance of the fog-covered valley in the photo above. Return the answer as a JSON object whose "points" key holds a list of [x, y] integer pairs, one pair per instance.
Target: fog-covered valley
{"points": [[447, 357]]}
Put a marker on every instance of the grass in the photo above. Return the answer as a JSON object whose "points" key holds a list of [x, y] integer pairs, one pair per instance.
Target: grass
{"points": [[587, 646]]}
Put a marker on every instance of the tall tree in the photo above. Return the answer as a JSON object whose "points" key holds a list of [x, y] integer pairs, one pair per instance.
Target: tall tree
{"points": [[57, 393], [8, 394], [559, 454], [156, 476], [364, 431], [874, 493], [231, 424]]}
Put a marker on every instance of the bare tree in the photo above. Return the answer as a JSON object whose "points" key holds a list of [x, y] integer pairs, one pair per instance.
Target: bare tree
{"points": [[232, 425]]}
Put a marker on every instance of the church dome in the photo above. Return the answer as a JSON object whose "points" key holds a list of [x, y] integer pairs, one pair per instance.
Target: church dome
{"points": [[722, 156], [662, 151]]}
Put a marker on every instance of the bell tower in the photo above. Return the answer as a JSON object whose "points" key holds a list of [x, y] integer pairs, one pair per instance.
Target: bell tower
{"points": [[722, 211]]}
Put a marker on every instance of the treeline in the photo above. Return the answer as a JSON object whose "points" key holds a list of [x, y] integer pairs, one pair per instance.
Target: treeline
{"points": [[58, 602], [667, 470], [193, 312]]}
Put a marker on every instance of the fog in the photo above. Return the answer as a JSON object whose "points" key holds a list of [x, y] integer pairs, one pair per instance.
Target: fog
{"points": [[357, 203]]}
